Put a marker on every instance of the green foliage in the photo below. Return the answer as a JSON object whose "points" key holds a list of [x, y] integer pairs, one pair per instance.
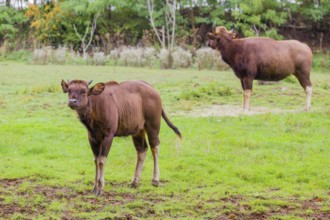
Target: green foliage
{"points": [[11, 22], [321, 62], [19, 55], [259, 18]]}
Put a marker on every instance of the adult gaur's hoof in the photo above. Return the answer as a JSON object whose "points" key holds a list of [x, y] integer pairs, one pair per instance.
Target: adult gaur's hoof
{"points": [[155, 183], [98, 192], [134, 184]]}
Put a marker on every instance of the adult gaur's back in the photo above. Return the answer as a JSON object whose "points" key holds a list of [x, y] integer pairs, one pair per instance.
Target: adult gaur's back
{"points": [[111, 109], [264, 59]]}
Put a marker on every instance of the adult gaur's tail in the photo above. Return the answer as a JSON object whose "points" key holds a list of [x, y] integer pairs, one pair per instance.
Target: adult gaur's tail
{"points": [[169, 123]]}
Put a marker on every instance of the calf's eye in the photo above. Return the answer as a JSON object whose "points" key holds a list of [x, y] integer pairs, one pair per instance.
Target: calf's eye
{"points": [[83, 91]]}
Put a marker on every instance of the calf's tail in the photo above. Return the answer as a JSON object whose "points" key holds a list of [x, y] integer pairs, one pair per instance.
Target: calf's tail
{"points": [[169, 123]]}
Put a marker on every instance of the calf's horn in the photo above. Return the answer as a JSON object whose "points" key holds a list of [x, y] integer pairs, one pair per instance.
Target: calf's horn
{"points": [[89, 82]]}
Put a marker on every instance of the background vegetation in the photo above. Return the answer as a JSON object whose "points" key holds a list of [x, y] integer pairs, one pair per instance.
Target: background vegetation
{"points": [[86, 27]]}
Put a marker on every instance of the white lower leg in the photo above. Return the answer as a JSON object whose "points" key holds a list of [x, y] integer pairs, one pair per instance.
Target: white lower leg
{"points": [[309, 91], [97, 174], [139, 165], [246, 104], [155, 178], [101, 163]]}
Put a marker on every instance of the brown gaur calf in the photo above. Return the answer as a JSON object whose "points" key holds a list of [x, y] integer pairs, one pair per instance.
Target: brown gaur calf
{"points": [[264, 59], [115, 109]]}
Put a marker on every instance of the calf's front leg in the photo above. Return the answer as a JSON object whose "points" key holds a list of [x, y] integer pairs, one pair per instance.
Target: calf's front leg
{"points": [[100, 158]]}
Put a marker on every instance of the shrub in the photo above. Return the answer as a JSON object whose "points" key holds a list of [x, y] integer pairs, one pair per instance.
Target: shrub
{"points": [[164, 59], [99, 58], [114, 56], [207, 58], [19, 55], [321, 62], [181, 58], [150, 56], [132, 57], [59, 56], [41, 56]]}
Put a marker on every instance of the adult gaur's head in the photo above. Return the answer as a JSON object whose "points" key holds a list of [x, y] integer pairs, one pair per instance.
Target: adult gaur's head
{"points": [[78, 92], [218, 34]]}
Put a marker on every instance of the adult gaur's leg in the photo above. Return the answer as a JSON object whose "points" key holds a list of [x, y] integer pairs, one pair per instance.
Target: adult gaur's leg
{"points": [[153, 132], [304, 80], [141, 147], [247, 83]]}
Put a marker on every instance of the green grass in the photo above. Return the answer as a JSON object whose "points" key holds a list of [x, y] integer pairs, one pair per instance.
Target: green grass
{"points": [[273, 166]]}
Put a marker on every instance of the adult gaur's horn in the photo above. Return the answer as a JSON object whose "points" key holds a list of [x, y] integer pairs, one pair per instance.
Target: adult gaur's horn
{"points": [[89, 82], [218, 29]]}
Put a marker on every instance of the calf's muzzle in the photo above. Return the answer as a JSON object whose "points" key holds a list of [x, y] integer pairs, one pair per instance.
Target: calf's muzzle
{"points": [[73, 103]]}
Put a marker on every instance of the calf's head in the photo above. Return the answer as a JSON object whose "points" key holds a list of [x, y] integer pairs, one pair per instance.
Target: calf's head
{"points": [[78, 92], [218, 34]]}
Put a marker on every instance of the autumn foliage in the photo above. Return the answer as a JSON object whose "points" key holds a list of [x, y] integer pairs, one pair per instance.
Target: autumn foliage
{"points": [[45, 21]]}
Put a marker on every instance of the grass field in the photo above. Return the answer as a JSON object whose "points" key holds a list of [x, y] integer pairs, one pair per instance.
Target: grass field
{"points": [[271, 164]]}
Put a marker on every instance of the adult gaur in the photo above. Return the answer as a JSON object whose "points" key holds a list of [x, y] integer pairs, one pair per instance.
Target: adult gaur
{"points": [[263, 58]]}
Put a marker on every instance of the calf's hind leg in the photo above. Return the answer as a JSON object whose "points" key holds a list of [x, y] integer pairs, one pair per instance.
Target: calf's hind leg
{"points": [[141, 147], [153, 132]]}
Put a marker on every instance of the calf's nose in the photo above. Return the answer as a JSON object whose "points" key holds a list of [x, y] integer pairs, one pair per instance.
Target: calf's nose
{"points": [[73, 101]]}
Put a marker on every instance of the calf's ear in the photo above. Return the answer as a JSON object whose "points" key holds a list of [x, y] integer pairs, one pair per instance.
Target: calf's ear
{"points": [[65, 86], [97, 89]]}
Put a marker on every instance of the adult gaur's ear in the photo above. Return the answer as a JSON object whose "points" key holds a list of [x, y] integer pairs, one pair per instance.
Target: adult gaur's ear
{"points": [[97, 89], [234, 35], [211, 36], [65, 86]]}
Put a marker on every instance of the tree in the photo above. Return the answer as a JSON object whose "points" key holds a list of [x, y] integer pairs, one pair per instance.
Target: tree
{"points": [[166, 36], [258, 17], [11, 25], [46, 22]]}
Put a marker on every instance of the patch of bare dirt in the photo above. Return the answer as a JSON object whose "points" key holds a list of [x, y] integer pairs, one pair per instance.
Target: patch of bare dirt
{"points": [[230, 207], [230, 110]]}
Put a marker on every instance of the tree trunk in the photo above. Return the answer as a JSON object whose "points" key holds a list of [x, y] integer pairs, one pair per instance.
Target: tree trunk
{"points": [[8, 3]]}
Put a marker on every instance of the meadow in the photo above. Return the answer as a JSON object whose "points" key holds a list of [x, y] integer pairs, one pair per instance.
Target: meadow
{"points": [[271, 163]]}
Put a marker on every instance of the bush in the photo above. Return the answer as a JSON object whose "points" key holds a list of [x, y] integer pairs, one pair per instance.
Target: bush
{"points": [[99, 58], [150, 56], [164, 59], [207, 58], [59, 55], [181, 58], [321, 61], [19, 55], [114, 56], [41, 56], [132, 57]]}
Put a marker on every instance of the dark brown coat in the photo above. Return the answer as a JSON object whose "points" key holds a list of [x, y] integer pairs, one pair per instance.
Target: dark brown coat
{"points": [[264, 59], [111, 109]]}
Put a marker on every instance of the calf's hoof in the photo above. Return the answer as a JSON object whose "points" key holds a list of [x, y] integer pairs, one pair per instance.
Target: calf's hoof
{"points": [[155, 183]]}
